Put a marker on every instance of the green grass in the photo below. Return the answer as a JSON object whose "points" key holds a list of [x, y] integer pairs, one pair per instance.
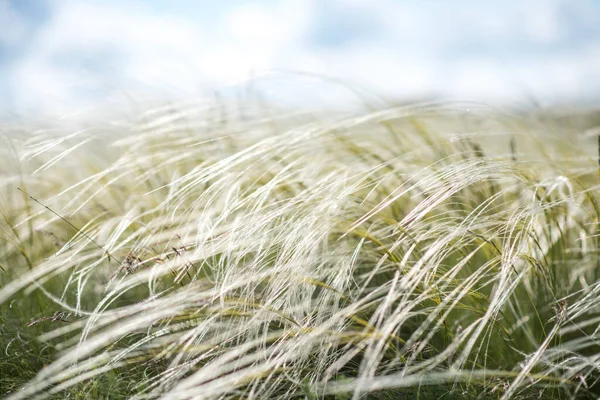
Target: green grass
{"points": [[422, 251]]}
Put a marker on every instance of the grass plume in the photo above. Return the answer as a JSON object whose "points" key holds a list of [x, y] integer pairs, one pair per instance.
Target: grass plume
{"points": [[408, 250]]}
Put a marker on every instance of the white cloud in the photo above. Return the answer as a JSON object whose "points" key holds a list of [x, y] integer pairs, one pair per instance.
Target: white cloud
{"points": [[87, 48], [136, 48]]}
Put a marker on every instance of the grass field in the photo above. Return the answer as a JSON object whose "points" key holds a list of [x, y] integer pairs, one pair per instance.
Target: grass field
{"points": [[419, 251]]}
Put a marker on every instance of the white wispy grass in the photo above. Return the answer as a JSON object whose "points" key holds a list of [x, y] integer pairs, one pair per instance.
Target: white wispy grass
{"points": [[308, 254]]}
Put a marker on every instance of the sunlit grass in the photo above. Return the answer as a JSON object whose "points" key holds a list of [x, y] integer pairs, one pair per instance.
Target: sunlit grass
{"points": [[422, 250]]}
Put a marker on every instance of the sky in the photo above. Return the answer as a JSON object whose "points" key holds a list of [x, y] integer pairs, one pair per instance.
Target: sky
{"points": [[62, 55]]}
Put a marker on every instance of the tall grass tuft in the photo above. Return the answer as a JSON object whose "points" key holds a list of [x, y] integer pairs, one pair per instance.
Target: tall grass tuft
{"points": [[417, 250]]}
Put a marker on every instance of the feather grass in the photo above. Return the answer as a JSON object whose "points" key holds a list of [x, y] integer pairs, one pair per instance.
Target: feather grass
{"points": [[300, 255]]}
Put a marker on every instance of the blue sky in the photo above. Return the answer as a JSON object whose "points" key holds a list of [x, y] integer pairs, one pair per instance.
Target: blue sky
{"points": [[62, 55]]}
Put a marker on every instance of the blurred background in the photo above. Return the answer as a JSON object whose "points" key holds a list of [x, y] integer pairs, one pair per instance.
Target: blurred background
{"points": [[61, 56]]}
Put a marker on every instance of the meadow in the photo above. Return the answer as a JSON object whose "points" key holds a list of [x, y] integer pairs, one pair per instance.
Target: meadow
{"points": [[429, 250]]}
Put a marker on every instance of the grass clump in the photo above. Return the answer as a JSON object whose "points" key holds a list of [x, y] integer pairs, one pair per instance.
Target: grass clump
{"points": [[414, 251]]}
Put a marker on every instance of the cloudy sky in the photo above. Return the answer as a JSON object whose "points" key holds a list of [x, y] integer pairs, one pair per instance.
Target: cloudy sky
{"points": [[57, 55]]}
